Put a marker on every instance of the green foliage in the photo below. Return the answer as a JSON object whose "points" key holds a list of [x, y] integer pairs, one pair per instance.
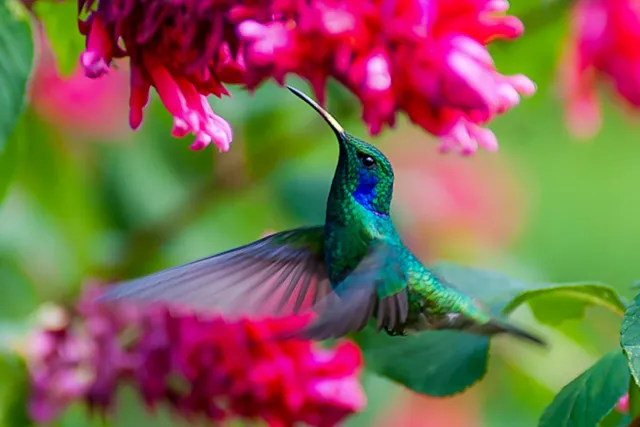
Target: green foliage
{"points": [[442, 363], [438, 363], [13, 392], [17, 53], [554, 304], [100, 211], [630, 337], [591, 396], [10, 158], [61, 27]]}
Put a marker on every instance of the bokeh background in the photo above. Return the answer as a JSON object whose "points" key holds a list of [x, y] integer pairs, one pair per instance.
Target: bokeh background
{"points": [[94, 200]]}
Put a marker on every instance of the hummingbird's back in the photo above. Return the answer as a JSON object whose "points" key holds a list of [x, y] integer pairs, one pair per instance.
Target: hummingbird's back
{"points": [[435, 303]]}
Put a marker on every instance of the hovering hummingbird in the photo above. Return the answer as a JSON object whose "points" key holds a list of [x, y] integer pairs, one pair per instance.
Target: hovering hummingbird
{"points": [[349, 270]]}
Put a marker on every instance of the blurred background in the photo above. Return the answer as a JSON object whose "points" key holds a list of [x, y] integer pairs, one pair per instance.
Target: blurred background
{"points": [[94, 200]]}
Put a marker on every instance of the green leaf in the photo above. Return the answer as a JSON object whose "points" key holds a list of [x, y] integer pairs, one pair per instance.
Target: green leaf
{"points": [[18, 297], [634, 399], [436, 363], [17, 53], [9, 161], [441, 363], [59, 179], [630, 337], [61, 25], [14, 392], [556, 303], [615, 419], [586, 400]]}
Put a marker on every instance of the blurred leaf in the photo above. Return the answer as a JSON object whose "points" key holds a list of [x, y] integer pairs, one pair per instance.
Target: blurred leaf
{"points": [[441, 363], [590, 397], [493, 288], [630, 337], [14, 392], [61, 25], [556, 303], [633, 399], [140, 185], [615, 419], [512, 395], [304, 196], [17, 53], [19, 298], [10, 158], [62, 181]]}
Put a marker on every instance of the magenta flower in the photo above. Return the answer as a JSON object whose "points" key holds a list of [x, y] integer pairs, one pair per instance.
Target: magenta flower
{"points": [[180, 55], [76, 105], [199, 367], [425, 58], [623, 404], [603, 45]]}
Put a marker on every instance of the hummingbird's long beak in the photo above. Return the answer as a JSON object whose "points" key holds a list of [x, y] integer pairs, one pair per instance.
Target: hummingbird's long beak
{"points": [[337, 128]]}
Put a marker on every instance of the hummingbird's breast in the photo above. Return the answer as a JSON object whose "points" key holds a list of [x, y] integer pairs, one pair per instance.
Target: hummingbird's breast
{"points": [[344, 249]]}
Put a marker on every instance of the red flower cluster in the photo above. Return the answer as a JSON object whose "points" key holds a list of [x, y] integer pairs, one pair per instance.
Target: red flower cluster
{"points": [[425, 57], [603, 45], [200, 367]]}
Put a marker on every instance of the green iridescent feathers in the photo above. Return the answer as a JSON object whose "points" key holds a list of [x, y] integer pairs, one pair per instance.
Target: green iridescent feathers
{"points": [[348, 271]]}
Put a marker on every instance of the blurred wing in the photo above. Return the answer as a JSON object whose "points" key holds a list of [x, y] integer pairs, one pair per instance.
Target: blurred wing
{"points": [[280, 274], [376, 287]]}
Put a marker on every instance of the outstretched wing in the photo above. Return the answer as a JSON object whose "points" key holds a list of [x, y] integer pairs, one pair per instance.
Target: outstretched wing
{"points": [[376, 287], [280, 274]]}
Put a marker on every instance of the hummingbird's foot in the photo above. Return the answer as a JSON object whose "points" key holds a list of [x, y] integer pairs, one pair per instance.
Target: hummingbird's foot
{"points": [[395, 333]]}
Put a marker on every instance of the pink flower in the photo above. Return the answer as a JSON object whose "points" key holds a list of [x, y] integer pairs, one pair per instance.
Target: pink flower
{"points": [[452, 206], [156, 37], [418, 410], [77, 105], [427, 58], [197, 366], [623, 404], [602, 46]]}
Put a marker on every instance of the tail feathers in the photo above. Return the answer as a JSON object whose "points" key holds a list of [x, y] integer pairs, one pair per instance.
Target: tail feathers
{"points": [[496, 326]]}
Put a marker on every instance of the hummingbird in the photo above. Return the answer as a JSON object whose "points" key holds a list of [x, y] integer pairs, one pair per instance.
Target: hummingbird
{"points": [[348, 271]]}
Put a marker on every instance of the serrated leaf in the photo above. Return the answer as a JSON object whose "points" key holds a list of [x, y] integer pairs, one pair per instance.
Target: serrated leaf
{"points": [[554, 304], [441, 363], [61, 26], [17, 53], [630, 337], [586, 400]]}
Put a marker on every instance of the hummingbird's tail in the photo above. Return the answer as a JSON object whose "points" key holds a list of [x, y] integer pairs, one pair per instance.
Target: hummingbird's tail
{"points": [[497, 326]]}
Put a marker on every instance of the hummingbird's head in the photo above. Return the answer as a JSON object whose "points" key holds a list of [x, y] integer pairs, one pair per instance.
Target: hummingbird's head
{"points": [[363, 170]]}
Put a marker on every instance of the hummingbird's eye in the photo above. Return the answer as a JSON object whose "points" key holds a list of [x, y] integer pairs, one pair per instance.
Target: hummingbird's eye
{"points": [[367, 161]]}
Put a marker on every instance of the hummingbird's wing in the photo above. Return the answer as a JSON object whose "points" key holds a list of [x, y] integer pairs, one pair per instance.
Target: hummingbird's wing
{"points": [[280, 274], [377, 286]]}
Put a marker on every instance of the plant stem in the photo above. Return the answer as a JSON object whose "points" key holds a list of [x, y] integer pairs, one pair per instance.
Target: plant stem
{"points": [[634, 400]]}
